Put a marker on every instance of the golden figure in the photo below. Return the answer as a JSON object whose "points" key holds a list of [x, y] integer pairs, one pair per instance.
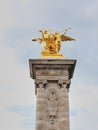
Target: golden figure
{"points": [[52, 43]]}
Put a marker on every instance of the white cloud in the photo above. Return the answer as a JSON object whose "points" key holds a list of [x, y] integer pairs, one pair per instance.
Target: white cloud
{"points": [[91, 10], [16, 88], [83, 100], [9, 121]]}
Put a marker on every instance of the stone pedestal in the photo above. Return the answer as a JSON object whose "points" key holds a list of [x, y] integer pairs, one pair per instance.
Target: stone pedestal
{"points": [[52, 81]]}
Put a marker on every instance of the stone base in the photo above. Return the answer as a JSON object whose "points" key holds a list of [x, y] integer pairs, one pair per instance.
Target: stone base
{"points": [[47, 54], [52, 56]]}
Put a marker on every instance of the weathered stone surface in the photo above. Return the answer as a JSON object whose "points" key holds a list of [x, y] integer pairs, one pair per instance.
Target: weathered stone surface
{"points": [[52, 81]]}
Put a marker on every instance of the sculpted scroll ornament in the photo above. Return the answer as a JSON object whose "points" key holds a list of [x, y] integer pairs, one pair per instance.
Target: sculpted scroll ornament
{"points": [[64, 83], [40, 84]]}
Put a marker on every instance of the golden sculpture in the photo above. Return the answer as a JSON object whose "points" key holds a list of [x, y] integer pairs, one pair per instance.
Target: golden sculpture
{"points": [[52, 43]]}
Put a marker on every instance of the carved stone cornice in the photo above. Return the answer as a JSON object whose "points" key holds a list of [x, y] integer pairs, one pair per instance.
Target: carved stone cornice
{"points": [[49, 68]]}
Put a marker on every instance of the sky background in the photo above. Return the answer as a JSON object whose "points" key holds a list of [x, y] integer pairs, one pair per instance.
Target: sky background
{"points": [[20, 21]]}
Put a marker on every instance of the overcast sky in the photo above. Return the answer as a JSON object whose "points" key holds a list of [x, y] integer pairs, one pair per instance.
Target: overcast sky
{"points": [[20, 21]]}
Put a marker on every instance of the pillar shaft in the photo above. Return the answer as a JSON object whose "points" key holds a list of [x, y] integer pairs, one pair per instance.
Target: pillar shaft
{"points": [[52, 82]]}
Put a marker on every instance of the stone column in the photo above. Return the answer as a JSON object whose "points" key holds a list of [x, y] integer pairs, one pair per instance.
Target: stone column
{"points": [[64, 105], [52, 81], [40, 104]]}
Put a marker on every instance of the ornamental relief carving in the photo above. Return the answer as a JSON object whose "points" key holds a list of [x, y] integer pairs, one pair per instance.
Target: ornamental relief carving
{"points": [[52, 72], [52, 105]]}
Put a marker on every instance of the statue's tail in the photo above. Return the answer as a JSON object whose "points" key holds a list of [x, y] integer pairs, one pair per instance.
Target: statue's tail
{"points": [[66, 38], [33, 39], [37, 40]]}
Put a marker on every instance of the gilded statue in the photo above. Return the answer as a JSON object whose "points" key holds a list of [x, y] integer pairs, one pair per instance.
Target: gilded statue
{"points": [[51, 42]]}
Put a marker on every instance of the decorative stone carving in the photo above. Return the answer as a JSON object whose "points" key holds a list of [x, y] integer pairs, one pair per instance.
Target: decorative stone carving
{"points": [[52, 72], [37, 81], [52, 105], [64, 83], [39, 84]]}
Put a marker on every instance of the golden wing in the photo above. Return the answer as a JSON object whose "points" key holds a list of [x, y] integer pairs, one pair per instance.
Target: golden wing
{"points": [[66, 38]]}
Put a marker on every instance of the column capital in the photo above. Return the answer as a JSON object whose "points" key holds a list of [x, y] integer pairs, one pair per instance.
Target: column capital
{"points": [[64, 82], [39, 84], [39, 81]]}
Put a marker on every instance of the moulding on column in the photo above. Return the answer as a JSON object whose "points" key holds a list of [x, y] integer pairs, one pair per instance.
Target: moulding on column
{"points": [[52, 69]]}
